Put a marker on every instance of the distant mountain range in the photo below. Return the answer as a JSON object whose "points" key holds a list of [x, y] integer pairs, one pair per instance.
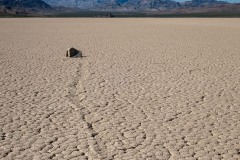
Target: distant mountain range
{"points": [[130, 5], [46, 7], [118, 5]]}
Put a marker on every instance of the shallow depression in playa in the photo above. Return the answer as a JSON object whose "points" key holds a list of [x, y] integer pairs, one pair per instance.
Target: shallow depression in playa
{"points": [[144, 89]]}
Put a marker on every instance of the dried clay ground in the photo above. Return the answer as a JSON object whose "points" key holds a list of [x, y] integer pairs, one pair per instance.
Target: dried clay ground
{"points": [[145, 89]]}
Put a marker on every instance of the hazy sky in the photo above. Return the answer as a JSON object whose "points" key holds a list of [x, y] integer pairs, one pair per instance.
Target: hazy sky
{"points": [[232, 1]]}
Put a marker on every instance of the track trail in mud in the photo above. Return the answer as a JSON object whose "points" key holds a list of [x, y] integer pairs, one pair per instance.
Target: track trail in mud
{"points": [[76, 91]]}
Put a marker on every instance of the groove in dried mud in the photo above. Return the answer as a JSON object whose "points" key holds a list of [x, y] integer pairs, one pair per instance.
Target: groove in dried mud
{"points": [[94, 150]]}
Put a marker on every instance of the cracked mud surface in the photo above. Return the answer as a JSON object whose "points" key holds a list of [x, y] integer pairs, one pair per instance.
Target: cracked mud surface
{"points": [[146, 89]]}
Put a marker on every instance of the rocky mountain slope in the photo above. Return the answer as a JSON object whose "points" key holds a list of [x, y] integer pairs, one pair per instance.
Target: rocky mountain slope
{"points": [[23, 7], [203, 3], [31, 4]]}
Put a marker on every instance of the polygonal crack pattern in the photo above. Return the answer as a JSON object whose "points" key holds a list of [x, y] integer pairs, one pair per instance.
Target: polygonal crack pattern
{"points": [[146, 89]]}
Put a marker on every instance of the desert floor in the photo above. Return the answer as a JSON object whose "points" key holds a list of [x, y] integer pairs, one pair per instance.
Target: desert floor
{"points": [[145, 89]]}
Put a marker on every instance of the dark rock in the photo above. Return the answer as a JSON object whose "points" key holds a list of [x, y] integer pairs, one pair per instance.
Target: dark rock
{"points": [[71, 52]]}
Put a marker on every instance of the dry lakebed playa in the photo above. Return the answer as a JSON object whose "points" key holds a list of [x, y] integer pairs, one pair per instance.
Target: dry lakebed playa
{"points": [[145, 88]]}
